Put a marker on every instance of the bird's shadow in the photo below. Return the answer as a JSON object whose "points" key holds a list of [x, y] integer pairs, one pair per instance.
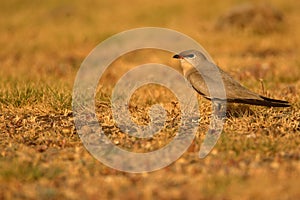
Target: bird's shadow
{"points": [[238, 110]]}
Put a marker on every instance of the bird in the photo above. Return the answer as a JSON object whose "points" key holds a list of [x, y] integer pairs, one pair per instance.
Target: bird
{"points": [[206, 78]]}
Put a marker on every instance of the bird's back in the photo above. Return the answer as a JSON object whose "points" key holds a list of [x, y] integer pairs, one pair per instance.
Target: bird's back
{"points": [[210, 77]]}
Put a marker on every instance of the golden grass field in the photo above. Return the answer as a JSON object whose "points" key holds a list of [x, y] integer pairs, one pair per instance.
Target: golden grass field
{"points": [[41, 156]]}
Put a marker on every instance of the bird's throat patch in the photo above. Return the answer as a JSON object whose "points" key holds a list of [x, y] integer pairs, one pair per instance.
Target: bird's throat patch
{"points": [[186, 66]]}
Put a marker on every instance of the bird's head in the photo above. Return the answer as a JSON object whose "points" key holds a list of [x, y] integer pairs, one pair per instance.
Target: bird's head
{"points": [[190, 59], [192, 56]]}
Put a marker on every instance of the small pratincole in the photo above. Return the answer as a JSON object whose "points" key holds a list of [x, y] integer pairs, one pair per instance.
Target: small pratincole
{"points": [[210, 81]]}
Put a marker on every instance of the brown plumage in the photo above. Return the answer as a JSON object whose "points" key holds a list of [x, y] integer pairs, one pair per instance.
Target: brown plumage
{"points": [[208, 82]]}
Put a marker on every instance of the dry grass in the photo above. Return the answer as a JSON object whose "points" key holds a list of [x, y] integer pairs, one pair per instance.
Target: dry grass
{"points": [[42, 157]]}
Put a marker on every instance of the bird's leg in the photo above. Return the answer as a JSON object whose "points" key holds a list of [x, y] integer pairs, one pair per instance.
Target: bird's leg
{"points": [[216, 127], [219, 109], [218, 116]]}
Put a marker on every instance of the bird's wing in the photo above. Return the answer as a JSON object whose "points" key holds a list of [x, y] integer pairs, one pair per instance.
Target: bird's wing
{"points": [[207, 76], [235, 92], [198, 83], [206, 80]]}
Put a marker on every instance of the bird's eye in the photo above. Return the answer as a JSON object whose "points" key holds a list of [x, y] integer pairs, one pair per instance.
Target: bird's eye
{"points": [[190, 56]]}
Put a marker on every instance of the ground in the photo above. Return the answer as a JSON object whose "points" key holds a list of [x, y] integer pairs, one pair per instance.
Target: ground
{"points": [[41, 154]]}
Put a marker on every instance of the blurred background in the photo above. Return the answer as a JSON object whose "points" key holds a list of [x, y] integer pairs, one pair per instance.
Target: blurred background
{"points": [[53, 37], [43, 44]]}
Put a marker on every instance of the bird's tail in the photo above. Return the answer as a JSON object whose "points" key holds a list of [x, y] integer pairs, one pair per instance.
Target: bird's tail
{"points": [[264, 101], [274, 102]]}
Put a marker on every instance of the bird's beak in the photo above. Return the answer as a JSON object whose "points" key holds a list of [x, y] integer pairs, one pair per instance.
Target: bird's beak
{"points": [[178, 56]]}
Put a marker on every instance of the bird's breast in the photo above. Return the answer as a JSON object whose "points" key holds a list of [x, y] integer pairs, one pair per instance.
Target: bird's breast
{"points": [[186, 66]]}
